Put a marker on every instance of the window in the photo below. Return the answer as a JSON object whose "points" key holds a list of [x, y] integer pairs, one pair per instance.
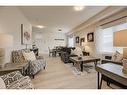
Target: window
{"points": [[70, 42], [104, 38]]}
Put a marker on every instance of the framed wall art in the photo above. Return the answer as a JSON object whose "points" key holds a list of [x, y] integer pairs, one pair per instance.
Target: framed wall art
{"points": [[77, 39], [81, 41], [26, 35], [90, 37]]}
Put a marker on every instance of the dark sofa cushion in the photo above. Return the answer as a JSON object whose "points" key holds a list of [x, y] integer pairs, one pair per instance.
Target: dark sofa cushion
{"points": [[67, 49], [66, 54]]}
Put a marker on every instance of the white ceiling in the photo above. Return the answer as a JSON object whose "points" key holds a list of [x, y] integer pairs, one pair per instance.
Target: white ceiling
{"points": [[55, 17]]}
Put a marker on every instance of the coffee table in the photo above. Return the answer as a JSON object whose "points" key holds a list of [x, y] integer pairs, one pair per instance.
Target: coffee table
{"points": [[112, 71], [84, 60]]}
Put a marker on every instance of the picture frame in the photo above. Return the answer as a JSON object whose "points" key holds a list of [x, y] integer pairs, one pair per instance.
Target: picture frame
{"points": [[90, 37], [77, 39], [82, 40], [26, 35]]}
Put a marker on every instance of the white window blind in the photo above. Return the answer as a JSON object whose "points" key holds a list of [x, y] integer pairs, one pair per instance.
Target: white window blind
{"points": [[104, 39]]}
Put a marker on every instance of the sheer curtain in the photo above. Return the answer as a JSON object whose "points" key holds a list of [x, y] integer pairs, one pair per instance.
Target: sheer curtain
{"points": [[70, 41], [104, 39]]}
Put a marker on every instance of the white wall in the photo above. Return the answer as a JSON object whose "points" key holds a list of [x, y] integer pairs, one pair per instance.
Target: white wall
{"points": [[46, 39], [91, 24], [90, 46], [10, 22]]}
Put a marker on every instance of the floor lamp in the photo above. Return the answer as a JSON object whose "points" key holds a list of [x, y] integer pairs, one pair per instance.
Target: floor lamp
{"points": [[120, 40], [5, 42]]}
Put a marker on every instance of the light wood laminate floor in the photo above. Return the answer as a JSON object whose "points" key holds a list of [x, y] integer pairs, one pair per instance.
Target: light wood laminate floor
{"points": [[58, 76]]}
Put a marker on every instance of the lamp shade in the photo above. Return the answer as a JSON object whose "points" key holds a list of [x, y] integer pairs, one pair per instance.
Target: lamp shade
{"points": [[120, 38], [6, 40]]}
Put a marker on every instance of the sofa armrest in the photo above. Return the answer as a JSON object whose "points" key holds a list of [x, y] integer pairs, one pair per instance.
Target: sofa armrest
{"points": [[65, 57]]}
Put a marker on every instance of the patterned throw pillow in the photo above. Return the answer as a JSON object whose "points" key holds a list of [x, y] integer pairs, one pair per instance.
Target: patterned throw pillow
{"points": [[117, 57], [29, 56], [73, 52], [11, 77], [17, 57], [78, 51]]}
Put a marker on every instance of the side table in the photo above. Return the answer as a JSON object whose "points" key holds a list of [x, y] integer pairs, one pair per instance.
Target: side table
{"points": [[10, 67]]}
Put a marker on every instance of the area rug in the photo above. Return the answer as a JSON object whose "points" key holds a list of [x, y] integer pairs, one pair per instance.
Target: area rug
{"points": [[87, 69]]}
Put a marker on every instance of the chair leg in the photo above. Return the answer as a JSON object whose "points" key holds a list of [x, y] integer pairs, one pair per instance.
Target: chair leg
{"points": [[33, 76], [44, 67], [101, 82], [108, 83], [73, 63]]}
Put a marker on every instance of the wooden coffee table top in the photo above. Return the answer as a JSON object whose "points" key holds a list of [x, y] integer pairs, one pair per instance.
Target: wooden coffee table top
{"points": [[84, 58], [113, 71]]}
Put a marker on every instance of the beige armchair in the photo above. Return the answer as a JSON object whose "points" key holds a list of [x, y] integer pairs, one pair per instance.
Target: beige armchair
{"points": [[34, 66]]}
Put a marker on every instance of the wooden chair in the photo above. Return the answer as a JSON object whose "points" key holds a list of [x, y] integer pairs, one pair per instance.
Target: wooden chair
{"points": [[50, 51]]}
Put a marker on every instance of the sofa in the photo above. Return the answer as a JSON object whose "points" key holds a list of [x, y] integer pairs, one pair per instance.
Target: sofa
{"points": [[68, 52], [15, 80], [34, 65]]}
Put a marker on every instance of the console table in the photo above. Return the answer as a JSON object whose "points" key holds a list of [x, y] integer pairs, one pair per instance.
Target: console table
{"points": [[10, 67], [112, 71]]}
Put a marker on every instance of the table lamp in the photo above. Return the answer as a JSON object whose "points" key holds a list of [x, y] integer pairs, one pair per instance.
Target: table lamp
{"points": [[120, 40], [86, 46], [5, 42], [83, 46]]}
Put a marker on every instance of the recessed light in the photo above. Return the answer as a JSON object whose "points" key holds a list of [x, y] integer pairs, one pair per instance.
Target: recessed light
{"points": [[79, 8], [40, 26]]}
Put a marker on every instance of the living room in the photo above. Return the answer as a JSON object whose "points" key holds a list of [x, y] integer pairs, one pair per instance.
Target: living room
{"points": [[84, 34]]}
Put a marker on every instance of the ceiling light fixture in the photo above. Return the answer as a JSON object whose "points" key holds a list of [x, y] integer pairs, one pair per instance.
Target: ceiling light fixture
{"points": [[78, 8], [59, 30], [40, 26]]}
